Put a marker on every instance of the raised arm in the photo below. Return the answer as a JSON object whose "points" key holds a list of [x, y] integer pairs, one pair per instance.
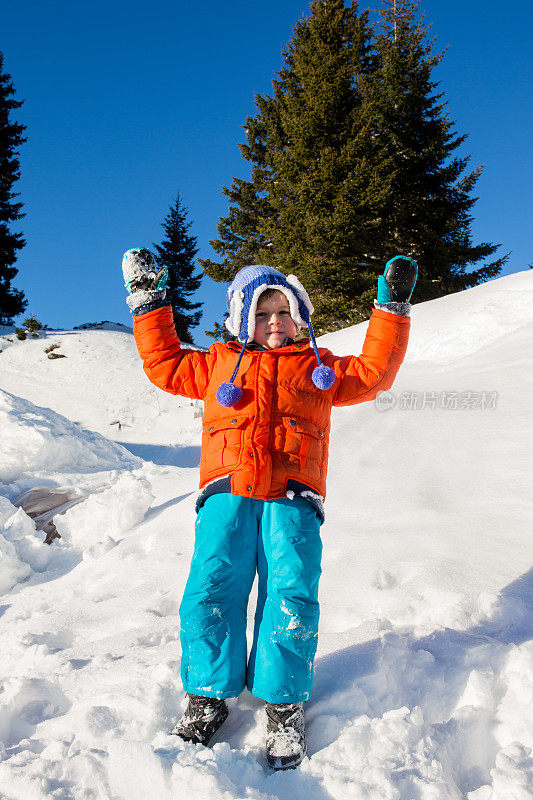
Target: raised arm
{"points": [[167, 365], [362, 377]]}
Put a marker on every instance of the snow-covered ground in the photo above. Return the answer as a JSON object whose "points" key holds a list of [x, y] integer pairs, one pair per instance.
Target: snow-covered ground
{"points": [[423, 687]]}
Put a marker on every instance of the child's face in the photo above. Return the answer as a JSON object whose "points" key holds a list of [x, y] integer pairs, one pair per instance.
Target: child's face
{"points": [[273, 321]]}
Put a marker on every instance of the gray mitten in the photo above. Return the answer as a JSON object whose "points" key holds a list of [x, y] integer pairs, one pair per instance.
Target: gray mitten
{"points": [[145, 282]]}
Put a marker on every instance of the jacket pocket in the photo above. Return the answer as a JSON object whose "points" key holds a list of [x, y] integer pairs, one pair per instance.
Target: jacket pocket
{"points": [[223, 441], [303, 442]]}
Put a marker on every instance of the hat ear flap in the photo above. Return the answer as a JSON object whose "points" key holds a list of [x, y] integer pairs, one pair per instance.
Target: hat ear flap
{"points": [[235, 305], [301, 293]]}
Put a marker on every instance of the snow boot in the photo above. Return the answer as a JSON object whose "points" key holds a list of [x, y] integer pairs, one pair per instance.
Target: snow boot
{"points": [[202, 718], [286, 744]]}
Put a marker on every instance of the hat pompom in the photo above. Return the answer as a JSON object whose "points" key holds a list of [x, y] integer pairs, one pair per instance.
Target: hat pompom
{"points": [[323, 377], [228, 394]]}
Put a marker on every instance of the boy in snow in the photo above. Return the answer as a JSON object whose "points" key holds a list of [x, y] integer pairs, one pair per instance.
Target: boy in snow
{"points": [[262, 481]]}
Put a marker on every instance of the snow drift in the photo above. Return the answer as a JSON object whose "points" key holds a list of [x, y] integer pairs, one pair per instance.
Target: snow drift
{"points": [[41, 447]]}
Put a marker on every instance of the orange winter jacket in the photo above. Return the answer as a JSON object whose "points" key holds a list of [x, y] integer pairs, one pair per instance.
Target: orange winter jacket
{"points": [[279, 430]]}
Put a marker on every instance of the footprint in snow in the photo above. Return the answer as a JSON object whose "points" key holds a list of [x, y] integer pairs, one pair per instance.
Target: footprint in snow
{"points": [[384, 580], [26, 702], [53, 642]]}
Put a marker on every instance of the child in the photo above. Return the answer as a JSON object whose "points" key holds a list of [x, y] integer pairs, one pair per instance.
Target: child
{"points": [[262, 481]]}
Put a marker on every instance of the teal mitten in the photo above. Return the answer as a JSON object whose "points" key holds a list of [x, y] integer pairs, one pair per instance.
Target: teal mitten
{"points": [[398, 280]]}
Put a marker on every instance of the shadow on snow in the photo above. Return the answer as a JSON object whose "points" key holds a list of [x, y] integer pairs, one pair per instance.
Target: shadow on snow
{"points": [[165, 455]]}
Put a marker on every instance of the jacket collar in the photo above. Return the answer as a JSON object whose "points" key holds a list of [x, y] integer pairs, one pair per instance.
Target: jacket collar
{"points": [[290, 346], [255, 346]]}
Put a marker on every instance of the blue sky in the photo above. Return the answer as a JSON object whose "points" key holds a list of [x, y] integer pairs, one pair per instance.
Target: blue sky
{"points": [[129, 103]]}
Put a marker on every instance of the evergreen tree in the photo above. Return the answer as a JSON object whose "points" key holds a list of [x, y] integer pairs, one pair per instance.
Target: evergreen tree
{"points": [[309, 206], [12, 301], [353, 162], [177, 252], [220, 333], [426, 214]]}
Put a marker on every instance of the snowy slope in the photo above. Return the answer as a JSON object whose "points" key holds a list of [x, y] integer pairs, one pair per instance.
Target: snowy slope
{"points": [[99, 383], [423, 687]]}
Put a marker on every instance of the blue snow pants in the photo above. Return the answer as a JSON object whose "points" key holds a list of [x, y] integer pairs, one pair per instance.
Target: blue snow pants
{"points": [[234, 538]]}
